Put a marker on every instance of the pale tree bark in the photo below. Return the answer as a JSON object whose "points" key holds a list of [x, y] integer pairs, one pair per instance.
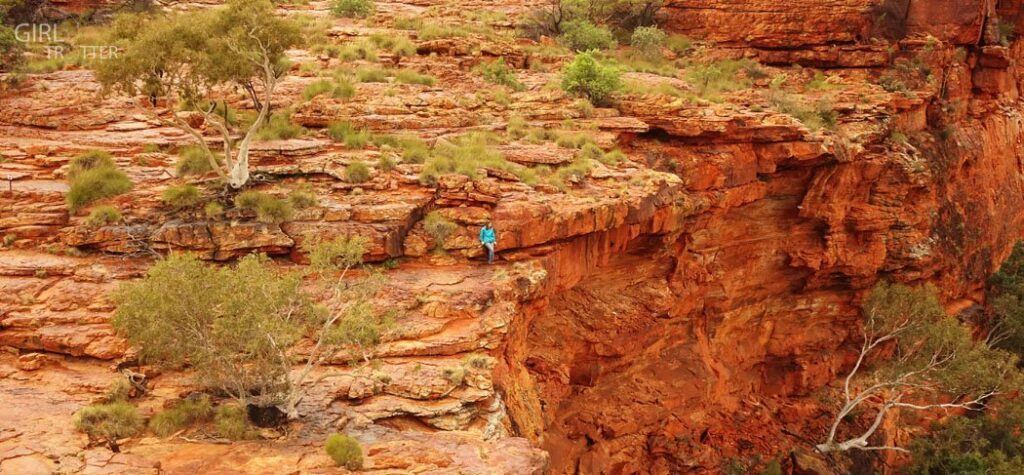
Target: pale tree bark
{"points": [[890, 392], [322, 351]]}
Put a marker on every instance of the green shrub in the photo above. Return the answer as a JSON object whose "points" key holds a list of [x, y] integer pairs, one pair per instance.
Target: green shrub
{"points": [[891, 83], [345, 451], [184, 414], [591, 151], [612, 158], [372, 74], [182, 196], [587, 77], [103, 216], [317, 88], [433, 31], [193, 161], [240, 317], [96, 184], [414, 150], [233, 423], [357, 172], [584, 107], [648, 40], [358, 50], [819, 83], [108, 422], [466, 156], [213, 209], [679, 44], [582, 35], [403, 47], [11, 50], [385, 140], [280, 127], [408, 76], [815, 116], [268, 208], [119, 390], [516, 127], [385, 163], [303, 198], [573, 140], [439, 228], [91, 160], [497, 72], [353, 8], [576, 171], [346, 133], [343, 88], [728, 75]]}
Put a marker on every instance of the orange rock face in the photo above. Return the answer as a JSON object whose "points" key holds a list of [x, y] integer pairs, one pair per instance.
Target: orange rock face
{"points": [[664, 314]]}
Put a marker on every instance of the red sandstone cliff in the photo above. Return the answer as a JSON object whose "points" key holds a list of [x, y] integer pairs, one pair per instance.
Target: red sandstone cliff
{"points": [[674, 313]]}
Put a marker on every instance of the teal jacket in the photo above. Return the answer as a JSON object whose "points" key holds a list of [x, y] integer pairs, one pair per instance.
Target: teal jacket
{"points": [[487, 236]]}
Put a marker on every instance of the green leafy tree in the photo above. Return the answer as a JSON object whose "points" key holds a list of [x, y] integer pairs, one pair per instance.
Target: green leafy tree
{"points": [[190, 58], [1006, 296], [231, 324], [622, 15], [237, 326], [933, 364], [989, 444]]}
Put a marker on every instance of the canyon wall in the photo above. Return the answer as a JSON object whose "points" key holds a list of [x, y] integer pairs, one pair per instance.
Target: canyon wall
{"points": [[710, 343], [664, 315]]}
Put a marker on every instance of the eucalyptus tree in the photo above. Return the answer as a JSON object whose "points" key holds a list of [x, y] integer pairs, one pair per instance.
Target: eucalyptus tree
{"points": [[191, 60], [913, 357]]}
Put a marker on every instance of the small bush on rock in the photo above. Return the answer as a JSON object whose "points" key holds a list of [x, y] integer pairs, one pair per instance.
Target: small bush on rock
{"points": [[345, 451], [280, 127], [303, 198], [213, 209], [182, 196], [357, 172], [497, 72], [108, 422], [582, 35], [193, 161], [232, 422], [95, 184], [585, 76], [408, 76], [348, 134], [11, 50], [91, 160], [439, 228], [184, 414], [268, 209], [353, 8], [103, 216], [648, 40], [119, 391]]}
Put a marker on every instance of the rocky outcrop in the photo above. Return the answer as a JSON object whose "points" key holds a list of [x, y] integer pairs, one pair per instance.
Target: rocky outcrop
{"points": [[659, 315]]}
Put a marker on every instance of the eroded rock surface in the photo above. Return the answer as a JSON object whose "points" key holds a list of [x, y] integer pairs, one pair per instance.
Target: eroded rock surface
{"points": [[659, 315]]}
